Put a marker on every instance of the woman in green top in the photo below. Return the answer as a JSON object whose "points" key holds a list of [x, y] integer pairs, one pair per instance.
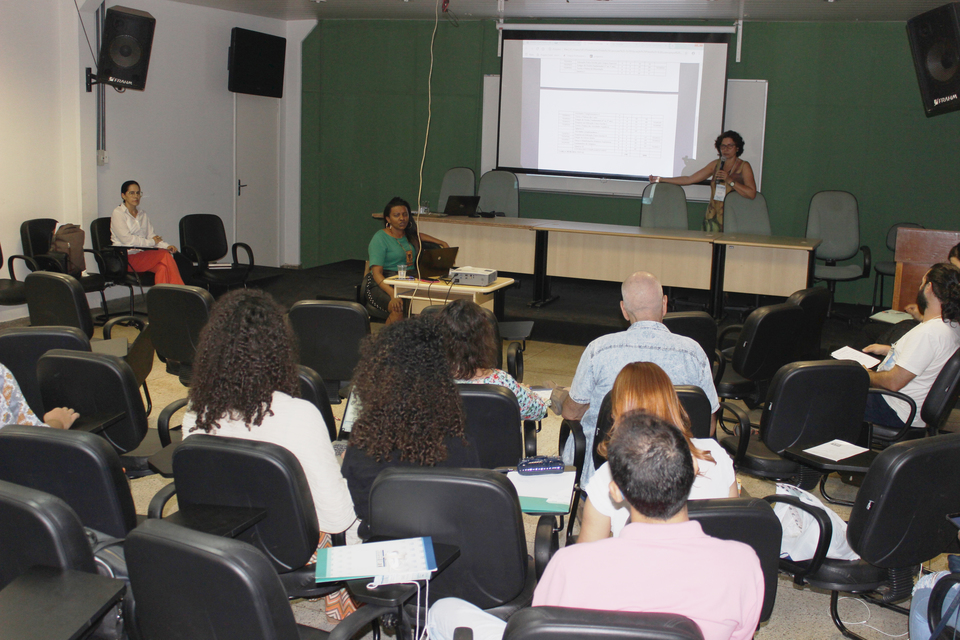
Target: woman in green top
{"points": [[396, 244], [727, 173]]}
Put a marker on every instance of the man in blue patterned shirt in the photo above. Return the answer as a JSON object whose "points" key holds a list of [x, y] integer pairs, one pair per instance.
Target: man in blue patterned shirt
{"points": [[646, 340]]}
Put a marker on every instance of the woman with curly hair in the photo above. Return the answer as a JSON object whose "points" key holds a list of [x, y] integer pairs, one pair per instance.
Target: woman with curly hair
{"points": [[410, 411], [471, 350], [245, 385], [643, 386], [727, 173]]}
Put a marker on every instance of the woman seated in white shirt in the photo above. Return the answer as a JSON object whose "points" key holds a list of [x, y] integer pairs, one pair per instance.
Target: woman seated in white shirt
{"points": [[130, 227], [643, 386]]}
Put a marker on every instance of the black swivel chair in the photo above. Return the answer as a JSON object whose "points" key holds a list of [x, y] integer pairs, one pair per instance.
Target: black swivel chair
{"points": [[752, 522], [764, 343], [56, 299], [494, 425], [700, 326], [329, 332], [233, 473], [21, 348], [103, 390], [204, 587], [114, 261], [13, 291], [39, 531], [203, 240], [177, 314], [897, 522], [815, 303], [313, 390], [37, 238], [478, 511], [79, 468], [808, 403], [563, 623]]}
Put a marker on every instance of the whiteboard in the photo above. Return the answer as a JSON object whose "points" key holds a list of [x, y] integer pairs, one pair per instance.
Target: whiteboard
{"points": [[745, 113]]}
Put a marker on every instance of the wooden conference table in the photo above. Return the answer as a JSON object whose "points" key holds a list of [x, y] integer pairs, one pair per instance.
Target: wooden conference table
{"points": [[717, 262]]}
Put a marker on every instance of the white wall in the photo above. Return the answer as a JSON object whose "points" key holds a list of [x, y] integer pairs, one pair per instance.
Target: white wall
{"points": [[176, 136]]}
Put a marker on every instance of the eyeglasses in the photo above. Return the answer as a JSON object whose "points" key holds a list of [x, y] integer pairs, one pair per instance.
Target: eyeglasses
{"points": [[728, 146], [134, 193]]}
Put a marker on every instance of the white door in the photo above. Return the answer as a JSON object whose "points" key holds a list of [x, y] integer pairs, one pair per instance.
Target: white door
{"points": [[258, 176]]}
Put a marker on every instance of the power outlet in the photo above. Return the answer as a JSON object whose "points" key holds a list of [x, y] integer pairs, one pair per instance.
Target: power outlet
{"points": [[102, 158]]}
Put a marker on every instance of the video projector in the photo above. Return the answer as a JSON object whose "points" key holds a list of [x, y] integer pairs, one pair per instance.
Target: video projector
{"points": [[473, 276]]}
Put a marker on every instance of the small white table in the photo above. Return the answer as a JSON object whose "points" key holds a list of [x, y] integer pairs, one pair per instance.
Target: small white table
{"points": [[423, 293]]}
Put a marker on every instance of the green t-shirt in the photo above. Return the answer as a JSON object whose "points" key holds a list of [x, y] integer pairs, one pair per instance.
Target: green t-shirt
{"points": [[388, 252]]}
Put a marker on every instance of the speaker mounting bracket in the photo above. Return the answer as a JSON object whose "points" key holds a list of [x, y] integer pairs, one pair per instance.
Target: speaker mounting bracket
{"points": [[92, 79]]}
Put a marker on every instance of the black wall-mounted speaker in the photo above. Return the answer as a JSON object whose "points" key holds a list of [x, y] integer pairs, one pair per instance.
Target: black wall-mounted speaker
{"points": [[935, 43], [125, 48], [255, 63]]}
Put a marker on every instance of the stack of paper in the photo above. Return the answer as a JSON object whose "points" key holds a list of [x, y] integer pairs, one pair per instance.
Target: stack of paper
{"points": [[392, 561], [549, 493]]}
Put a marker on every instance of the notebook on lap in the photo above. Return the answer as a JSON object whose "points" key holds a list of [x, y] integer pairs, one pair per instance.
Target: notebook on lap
{"points": [[436, 263], [462, 205]]}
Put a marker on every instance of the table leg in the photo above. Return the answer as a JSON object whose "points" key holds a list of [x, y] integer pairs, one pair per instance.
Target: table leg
{"points": [[811, 263], [541, 283], [499, 303], [716, 280]]}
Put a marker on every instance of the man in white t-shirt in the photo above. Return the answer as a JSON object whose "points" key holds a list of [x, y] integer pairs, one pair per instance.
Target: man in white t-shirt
{"points": [[913, 362]]}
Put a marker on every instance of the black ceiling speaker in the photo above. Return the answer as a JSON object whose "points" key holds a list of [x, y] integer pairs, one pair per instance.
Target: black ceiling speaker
{"points": [[935, 42], [125, 48]]}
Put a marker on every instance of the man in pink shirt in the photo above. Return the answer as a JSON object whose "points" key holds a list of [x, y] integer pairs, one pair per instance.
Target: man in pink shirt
{"points": [[661, 562]]}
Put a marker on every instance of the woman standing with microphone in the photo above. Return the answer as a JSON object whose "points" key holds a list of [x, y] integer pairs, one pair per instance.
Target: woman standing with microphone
{"points": [[727, 173]]}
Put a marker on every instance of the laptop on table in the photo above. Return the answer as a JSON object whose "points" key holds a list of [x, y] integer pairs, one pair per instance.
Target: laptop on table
{"points": [[462, 205], [436, 263]]}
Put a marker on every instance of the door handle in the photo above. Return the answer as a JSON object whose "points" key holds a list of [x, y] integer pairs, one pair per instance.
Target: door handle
{"points": [[239, 187]]}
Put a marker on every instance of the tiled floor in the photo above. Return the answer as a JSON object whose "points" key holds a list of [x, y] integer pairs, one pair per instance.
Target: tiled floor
{"points": [[799, 612]]}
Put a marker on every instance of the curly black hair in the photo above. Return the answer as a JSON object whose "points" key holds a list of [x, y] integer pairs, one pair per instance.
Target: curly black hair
{"points": [[409, 401], [246, 352], [733, 135], [944, 279], [468, 338]]}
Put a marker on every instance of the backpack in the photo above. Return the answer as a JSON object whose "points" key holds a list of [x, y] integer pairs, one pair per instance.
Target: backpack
{"points": [[68, 240]]}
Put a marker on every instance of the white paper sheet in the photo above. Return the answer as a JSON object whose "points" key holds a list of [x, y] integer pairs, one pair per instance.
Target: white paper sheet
{"points": [[849, 353], [836, 450]]}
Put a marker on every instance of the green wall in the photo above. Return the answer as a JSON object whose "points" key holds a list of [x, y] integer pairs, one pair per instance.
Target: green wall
{"points": [[843, 112]]}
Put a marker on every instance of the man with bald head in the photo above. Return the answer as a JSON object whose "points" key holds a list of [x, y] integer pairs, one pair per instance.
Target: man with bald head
{"points": [[646, 340]]}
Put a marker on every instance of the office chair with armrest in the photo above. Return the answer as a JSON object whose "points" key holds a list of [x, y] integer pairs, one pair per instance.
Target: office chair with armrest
{"points": [[40, 531], [204, 587], [494, 426], [834, 217], [499, 191], [891, 530], [885, 268], [765, 342], [216, 471], [116, 269], [329, 333], [103, 389], [37, 237], [12, 291], [21, 348], [700, 326], [752, 522], [476, 510], [57, 299], [743, 215], [204, 241], [936, 408], [664, 206], [178, 313], [78, 467], [457, 181], [563, 623], [808, 403], [815, 303]]}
